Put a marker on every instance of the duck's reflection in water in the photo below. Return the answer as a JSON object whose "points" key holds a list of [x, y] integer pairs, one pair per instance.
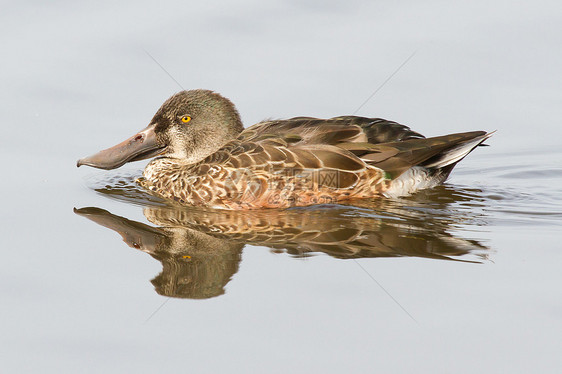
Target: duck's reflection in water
{"points": [[200, 250]]}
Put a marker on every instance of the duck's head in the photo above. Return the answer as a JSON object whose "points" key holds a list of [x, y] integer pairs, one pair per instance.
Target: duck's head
{"points": [[189, 125]]}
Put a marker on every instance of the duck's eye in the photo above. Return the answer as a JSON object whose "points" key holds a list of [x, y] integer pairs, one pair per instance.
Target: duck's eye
{"points": [[185, 119]]}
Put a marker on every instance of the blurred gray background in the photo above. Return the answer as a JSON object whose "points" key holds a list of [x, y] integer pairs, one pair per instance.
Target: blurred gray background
{"points": [[74, 68]]}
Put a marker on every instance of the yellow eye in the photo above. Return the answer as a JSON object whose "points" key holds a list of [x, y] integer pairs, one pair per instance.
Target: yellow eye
{"points": [[185, 119]]}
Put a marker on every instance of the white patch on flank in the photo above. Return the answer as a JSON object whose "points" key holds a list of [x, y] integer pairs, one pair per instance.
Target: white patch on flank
{"points": [[414, 179]]}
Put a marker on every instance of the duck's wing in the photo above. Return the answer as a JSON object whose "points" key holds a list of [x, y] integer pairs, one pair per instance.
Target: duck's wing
{"points": [[387, 145], [432, 153], [347, 144], [333, 131], [279, 154]]}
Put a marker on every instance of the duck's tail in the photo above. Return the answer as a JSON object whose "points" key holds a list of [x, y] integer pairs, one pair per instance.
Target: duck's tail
{"points": [[451, 156], [436, 168]]}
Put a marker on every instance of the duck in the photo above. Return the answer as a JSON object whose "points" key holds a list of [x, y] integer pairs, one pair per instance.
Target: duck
{"points": [[203, 156]]}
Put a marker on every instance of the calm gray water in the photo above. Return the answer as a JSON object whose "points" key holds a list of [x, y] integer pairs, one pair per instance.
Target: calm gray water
{"points": [[464, 278]]}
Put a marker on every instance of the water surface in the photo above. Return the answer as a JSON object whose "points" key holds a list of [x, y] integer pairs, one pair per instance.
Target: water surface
{"points": [[98, 276]]}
